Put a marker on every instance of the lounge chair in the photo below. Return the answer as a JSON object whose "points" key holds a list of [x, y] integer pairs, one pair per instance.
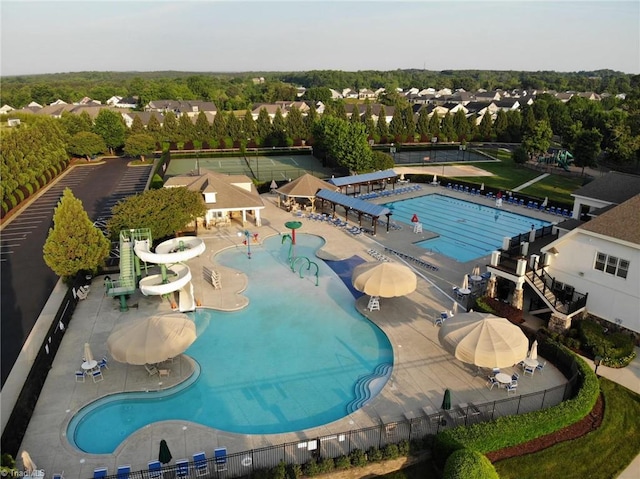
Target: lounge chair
{"points": [[200, 464], [151, 369], [540, 367], [103, 363], [529, 370], [59, 475], [220, 455], [182, 468], [80, 376], [99, 473], [124, 472], [491, 382], [512, 389], [155, 470]]}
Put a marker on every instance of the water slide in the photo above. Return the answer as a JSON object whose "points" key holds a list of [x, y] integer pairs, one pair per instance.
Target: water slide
{"points": [[175, 275]]}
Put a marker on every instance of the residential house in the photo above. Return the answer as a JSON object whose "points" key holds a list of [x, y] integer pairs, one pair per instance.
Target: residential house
{"points": [[335, 94], [366, 94], [509, 104], [454, 107], [444, 92], [228, 198], [487, 96], [128, 102], [462, 97], [6, 109], [190, 108], [113, 100], [589, 95], [350, 93], [612, 189], [564, 97], [144, 116]]}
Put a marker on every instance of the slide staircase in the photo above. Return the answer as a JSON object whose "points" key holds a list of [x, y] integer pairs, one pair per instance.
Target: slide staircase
{"points": [[126, 283]]}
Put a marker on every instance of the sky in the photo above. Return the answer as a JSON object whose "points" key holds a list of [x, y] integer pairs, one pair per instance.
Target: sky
{"points": [[238, 36]]}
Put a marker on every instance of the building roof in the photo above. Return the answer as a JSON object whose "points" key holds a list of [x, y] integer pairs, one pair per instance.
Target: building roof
{"points": [[622, 222], [365, 178], [233, 192], [354, 203], [305, 186], [614, 187]]}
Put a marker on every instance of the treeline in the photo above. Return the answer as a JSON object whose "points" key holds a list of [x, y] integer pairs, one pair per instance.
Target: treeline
{"points": [[240, 91]]}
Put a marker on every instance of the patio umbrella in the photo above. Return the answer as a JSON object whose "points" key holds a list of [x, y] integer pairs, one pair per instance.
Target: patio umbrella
{"points": [[152, 340], [435, 178], [446, 400], [482, 187], [476, 271], [454, 308], [465, 282], [164, 456], [401, 176], [533, 353], [545, 202], [28, 464], [384, 279], [273, 185], [88, 356], [484, 340], [414, 218]]}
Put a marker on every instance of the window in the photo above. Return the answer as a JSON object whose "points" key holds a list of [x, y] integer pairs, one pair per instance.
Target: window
{"points": [[612, 265]]}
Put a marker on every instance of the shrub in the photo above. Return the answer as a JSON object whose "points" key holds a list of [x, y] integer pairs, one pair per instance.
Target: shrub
{"points": [[12, 201], [19, 195], [5, 209], [484, 307], [280, 471], [358, 458], [29, 189], [374, 454], [468, 464], [43, 180], [342, 462], [326, 465], [294, 471], [390, 451], [611, 346], [156, 182], [311, 468], [404, 448]]}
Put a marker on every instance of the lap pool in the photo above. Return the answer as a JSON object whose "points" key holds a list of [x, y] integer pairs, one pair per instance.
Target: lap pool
{"points": [[299, 356], [466, 230]]}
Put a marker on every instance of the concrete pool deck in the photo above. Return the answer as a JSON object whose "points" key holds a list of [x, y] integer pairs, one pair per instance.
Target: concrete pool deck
{"points": [[422, 369]]}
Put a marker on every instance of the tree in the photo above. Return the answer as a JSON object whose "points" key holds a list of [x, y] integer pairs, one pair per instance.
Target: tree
{"points": [[368, 121], [460, 125], [409, 124], [234, 128], [219, 127], [165, 211], [140, 145], [170, 130], [263, 124], [434, 126], [587, 147], [485, 127], [137, 126], [520, 156], [344, 141], [202, 128], [110, 126], [278, 126], [74, 244], [154, 128], [500, 126], [355, 114], [249, 125], [528, 121], [295, 124], [448, 131], [381, 161], [539, 140], [396, 126], [383, 128], [86, 144], [422, 125], [75, 123], [186, 129]]}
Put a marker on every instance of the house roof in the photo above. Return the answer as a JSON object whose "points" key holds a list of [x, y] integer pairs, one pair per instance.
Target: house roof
{"points": [[614, 187], [622, 222], [306, 186], [230, 195]]}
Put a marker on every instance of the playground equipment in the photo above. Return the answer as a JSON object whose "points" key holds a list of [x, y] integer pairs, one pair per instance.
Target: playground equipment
{"points": [[561, 158], [170, 255], [293, 260]]}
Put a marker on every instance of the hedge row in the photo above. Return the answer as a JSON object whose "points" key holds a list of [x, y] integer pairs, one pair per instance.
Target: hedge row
{"points": [[13, 199], [513, 430], [468, 464]]}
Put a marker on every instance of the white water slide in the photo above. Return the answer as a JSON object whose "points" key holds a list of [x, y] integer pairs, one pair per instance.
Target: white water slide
{"points": [[178, 278]]}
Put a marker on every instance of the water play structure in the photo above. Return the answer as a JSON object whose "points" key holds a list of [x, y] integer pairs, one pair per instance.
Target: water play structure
{"points": [[292, 258], [170, 255]]}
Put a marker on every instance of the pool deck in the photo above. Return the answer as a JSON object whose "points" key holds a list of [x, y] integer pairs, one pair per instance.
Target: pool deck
{"points": [[422, 369]]}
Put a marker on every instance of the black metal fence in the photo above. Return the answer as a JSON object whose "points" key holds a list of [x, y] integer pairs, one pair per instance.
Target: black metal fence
{"points": [[17, 424], [249, 463]]}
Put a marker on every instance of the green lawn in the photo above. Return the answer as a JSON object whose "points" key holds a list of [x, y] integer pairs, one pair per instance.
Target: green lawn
{"points": [[508, 175], [601, 454]]}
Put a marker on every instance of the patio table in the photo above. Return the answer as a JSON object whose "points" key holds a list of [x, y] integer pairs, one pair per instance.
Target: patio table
{"points": [[89, 365], [503, 379]]}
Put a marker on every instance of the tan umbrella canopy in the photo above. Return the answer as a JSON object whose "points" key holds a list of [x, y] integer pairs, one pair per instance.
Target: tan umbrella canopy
{"points": [[306, 186], [384, 279], [152, 340], [28, 464], [484, 340]]}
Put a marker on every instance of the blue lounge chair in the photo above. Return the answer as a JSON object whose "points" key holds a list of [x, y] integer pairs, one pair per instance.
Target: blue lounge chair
{"points": [[124, 472], [182, 468], [103, 363], [155, 470], [220, 455], [99, 473], [200, 464], [79, 376]]}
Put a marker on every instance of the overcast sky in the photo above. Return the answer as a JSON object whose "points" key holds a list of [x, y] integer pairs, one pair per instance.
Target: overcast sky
{"points": [[216, 36]]}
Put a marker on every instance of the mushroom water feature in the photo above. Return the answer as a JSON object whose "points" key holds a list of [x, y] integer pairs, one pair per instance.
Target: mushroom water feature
{"points": [[293, 226]]}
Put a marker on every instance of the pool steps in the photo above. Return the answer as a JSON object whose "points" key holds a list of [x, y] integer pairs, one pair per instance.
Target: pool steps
{"points": [[369, 385]]}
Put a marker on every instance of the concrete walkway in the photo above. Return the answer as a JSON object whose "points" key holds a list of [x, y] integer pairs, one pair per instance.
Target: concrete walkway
{"points": [[530, 182]]}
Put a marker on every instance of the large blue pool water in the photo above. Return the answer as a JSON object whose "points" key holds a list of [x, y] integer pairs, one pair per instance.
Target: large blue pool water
{"points": [[466, 230], [296, 358]]}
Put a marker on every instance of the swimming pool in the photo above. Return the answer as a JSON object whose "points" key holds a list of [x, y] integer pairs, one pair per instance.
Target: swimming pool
{"points": [[466, 230], [297, 357]]}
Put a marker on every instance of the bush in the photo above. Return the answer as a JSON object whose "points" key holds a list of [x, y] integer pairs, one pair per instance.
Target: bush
{"points": [[404, 448], [390, 451], [280, 471], [615, 348], [326, 465], [311, 468], [342, 462], [12, 201], [374, 454], [156, 182], [294, 471], [19, 195], [468, 464], [29, 189], [358, 458]]}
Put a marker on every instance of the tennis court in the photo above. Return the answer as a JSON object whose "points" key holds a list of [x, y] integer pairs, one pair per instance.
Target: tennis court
{"points": [[436, 156], [263, 168]]}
